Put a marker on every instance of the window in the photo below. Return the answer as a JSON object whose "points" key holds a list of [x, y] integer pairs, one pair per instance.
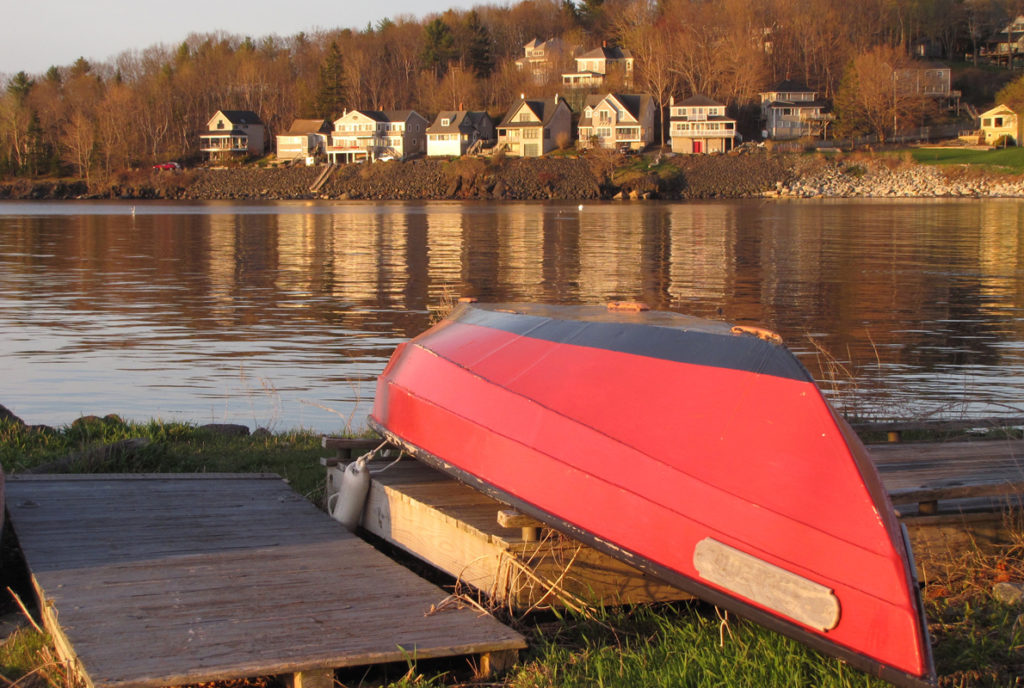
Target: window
{"points": [[987, 122], [524, 116], [999, 121], [220, 124], [445, 122], [530, 134]]}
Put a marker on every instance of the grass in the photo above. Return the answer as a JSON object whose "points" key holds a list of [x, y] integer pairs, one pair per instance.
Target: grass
{"points": [[999, 160], [979, 642]]}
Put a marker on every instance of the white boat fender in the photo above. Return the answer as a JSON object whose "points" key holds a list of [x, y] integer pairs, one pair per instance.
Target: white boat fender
{"points": [[351, 495]]}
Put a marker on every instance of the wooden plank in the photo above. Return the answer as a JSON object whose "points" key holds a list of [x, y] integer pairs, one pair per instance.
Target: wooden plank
{"points": [[939, 425], [454, 528], [289, 591]]}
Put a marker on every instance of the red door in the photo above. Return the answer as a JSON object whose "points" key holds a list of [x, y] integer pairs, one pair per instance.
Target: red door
{"points": [[698, 146]]}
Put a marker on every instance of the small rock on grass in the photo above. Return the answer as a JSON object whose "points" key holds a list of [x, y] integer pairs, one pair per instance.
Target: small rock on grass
{"points": [[1008, 593], [226, 429]]}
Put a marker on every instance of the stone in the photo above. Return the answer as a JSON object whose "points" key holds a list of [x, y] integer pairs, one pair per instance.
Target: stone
{"points": [[6, 414], [1008, 593], [226, 429], [262, 433]]}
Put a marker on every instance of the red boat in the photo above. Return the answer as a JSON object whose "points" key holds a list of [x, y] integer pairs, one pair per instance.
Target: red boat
{"points": [[702, 453]]}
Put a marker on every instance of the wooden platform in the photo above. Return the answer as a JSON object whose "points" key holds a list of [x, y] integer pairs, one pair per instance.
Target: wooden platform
{"points": [[157, 580], [950, 495], [953, 495], [457, 529]]}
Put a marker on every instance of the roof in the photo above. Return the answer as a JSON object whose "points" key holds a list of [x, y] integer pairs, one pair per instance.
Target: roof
{"points": [[790, 86], [308, 126], [615, 53], [544, 110], [457, 120], [241, 116], [798, 104], [698, 101], [401, 115], [1002, 107]]}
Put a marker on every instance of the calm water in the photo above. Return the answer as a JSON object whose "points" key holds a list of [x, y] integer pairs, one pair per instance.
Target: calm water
{"points": [[282, 314]]}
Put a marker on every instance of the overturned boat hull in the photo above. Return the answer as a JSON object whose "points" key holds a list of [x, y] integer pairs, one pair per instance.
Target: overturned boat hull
{"points": [[701, 453]]}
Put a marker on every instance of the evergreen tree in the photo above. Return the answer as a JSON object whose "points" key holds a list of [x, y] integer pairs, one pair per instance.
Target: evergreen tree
{"points": [[19, 86], [438, 47], [330, 96], [479, 55]]}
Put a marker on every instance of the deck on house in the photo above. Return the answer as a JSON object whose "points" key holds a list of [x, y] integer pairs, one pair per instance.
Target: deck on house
{"points": [[157, 580]]}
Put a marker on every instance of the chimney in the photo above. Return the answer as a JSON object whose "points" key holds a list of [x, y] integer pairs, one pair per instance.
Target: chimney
{"points": [[671, 101], [604, 44], [556, 99]]}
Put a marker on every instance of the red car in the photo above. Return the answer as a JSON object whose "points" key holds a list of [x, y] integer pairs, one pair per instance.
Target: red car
{"points": [[167, 166]]}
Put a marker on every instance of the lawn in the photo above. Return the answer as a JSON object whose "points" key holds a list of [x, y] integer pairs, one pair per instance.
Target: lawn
{"points": [[1002, 159], [978, 641]]}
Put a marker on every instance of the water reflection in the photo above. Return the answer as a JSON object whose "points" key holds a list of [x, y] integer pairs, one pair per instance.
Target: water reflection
{"points": [[275, 313]]}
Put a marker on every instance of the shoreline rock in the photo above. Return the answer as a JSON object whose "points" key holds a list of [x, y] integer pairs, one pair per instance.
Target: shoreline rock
{"points": [[589, 176]]}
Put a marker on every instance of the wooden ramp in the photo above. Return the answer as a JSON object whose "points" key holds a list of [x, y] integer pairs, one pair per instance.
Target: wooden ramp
{"points": [[158, 580]]}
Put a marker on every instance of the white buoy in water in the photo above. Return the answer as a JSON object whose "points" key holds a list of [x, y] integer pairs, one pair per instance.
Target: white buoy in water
{"points": [[350, 498]]}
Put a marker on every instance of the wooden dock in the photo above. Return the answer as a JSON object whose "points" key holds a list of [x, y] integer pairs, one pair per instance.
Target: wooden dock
{"points": [[950, 495], [159, 580]]}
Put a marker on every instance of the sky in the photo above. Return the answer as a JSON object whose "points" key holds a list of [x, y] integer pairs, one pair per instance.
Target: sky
{"points": [[33, 39]]}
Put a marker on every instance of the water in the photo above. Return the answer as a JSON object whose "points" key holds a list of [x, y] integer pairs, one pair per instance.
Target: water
{"points": [[282, 314]]}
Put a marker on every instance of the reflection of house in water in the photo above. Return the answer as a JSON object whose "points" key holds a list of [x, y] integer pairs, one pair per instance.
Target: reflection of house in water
{"points": [[521, 254], [223, 267], [445, 246], [701, 260], [1001, 259], [611, 260]]}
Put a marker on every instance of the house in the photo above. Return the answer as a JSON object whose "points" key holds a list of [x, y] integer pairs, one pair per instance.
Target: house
{"points": [[532, 128], [617, 120], [699, 125], [361, 135], [233, 132], [791, 110], [454, 132], [306, 138], [930, 79], [1001, 126], [593, 67], [541, 58], [1006, 44]]}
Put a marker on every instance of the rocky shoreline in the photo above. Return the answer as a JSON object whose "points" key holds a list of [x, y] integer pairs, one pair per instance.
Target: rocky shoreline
{"points": [[747, 174]]}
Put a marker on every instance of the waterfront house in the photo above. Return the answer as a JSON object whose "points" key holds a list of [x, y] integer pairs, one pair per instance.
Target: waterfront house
{"points": [[700, 125], [1004, 47], [362, 135], [541, 58], [1001, 126], [306, 138], [593, 67], [532, 128], [791, 110], [455, 132], [617, 121], [232, 133]]}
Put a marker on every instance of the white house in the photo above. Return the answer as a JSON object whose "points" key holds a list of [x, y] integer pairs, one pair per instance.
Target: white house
{"points": [[454, 132], [233, 133], [617, 120], [532, 128], [361, 135], [306, 138], [700, 125], [593, 67], [791, 110]]}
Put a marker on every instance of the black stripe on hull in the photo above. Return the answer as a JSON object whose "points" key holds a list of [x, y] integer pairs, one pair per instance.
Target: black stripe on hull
{"points": [[694, 587], [710, 346]]}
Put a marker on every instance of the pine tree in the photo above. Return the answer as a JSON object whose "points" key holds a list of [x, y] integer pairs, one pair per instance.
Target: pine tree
{"points": [[330, 96], [478, 53], [438, 47]]}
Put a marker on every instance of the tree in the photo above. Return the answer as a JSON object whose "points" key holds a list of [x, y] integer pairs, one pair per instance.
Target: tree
{"points": [[438, 47], [477, 53], [330, 95], [1012, 95], [869, 100]]}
